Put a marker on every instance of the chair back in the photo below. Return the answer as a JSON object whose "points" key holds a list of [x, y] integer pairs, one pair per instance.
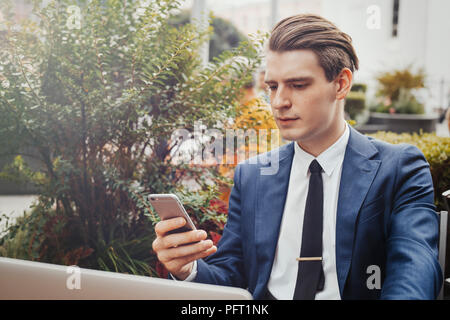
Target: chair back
{"points": [[443, 222]]}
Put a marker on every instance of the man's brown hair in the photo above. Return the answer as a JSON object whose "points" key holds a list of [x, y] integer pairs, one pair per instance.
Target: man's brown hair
{"points": [[333, 47]]}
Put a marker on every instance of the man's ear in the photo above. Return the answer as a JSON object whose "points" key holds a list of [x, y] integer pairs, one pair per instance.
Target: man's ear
{"points": [[343, 83]]}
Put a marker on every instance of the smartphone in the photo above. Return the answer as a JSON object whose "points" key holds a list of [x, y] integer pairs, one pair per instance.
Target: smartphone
{"points": [[168, 206]]}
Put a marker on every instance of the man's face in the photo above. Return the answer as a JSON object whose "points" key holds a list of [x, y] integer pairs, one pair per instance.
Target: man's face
{"points": [[303, 101]]}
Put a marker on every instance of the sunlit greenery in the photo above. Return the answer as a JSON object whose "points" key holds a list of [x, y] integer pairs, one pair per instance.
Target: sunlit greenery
{"points": [[97, 92]]}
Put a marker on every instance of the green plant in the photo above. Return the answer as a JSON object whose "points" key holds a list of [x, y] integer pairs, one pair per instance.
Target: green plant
{"points": [[14, 243], [391, 83], [355, 103], [18, 171], [225, 36], [395, 91], [359, 87], [99, 100], [408, 104]]}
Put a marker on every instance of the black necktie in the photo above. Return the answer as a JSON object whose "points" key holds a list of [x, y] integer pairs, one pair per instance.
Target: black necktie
{"points": [[310, 277]]}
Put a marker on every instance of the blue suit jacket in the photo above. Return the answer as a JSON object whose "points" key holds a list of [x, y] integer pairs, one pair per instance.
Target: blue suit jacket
{"points": [[385, 217]]}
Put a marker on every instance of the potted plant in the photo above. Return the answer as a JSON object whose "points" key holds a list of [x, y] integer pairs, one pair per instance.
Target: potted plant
{"points": [[398, 109]]}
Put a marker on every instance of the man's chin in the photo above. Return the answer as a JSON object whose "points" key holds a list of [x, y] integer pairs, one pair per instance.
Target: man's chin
{"points": [[292, 136]]}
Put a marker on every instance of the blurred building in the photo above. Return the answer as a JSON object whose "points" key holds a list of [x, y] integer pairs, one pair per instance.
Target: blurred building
{"points": [[256, 15], [411, 33], [387, 34]]}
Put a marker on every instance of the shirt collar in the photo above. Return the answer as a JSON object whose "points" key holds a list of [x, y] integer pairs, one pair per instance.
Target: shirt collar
{"points": [[328, 160]]}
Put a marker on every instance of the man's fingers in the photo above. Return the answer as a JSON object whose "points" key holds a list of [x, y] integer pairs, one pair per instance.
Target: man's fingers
{"points": [[165, 226], [178, 250], [199, 255], [185, 251], [178, 239], [176, 264]]}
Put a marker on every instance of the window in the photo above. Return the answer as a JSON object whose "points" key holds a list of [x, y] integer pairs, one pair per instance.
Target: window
{"points": [[395, 17]]}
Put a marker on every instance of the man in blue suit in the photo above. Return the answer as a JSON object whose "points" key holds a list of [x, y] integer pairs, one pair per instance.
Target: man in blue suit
{"points": [[343, 216]]}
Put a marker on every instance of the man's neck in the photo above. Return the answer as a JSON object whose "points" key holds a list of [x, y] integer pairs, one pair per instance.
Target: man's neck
{"points": [[316, 146]]}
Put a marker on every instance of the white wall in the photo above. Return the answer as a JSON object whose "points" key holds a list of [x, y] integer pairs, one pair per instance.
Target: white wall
{"points": [[422, 41], [437, 55]]}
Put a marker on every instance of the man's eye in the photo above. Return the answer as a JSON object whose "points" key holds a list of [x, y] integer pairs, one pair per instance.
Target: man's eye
{"points": [[272, 88], [298, 86]]}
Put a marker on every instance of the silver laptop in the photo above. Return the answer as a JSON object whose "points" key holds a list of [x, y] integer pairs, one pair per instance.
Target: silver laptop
{"points": [[21, 279]]}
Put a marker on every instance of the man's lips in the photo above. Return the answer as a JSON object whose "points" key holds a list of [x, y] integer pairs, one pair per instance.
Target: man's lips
{"points": [[287, 120]]}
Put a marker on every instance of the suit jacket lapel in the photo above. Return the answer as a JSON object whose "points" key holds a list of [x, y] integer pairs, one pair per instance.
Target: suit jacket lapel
{"points": [[269, 206], [358, 172]]}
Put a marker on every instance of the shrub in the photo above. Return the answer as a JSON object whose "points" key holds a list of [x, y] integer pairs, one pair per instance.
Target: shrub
{"points": [[355, 103], [225, 35], [391, 83], [359, 87], [253, 114], [408, 104], [100, 102], [395, 91]]}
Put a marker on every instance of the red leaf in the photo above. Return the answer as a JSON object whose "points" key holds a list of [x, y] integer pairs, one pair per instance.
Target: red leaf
{"points": [[215, 237], [161, 270], [219, 206]]}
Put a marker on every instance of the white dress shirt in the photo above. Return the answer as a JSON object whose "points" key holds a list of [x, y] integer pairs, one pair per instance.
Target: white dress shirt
{"points": [[283, 276]]}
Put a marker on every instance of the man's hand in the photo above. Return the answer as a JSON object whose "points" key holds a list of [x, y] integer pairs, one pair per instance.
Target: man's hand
{"points": [[178, 251]]}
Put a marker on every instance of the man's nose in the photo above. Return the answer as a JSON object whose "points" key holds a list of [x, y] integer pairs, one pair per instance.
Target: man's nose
{"points": [[280, 99]]}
